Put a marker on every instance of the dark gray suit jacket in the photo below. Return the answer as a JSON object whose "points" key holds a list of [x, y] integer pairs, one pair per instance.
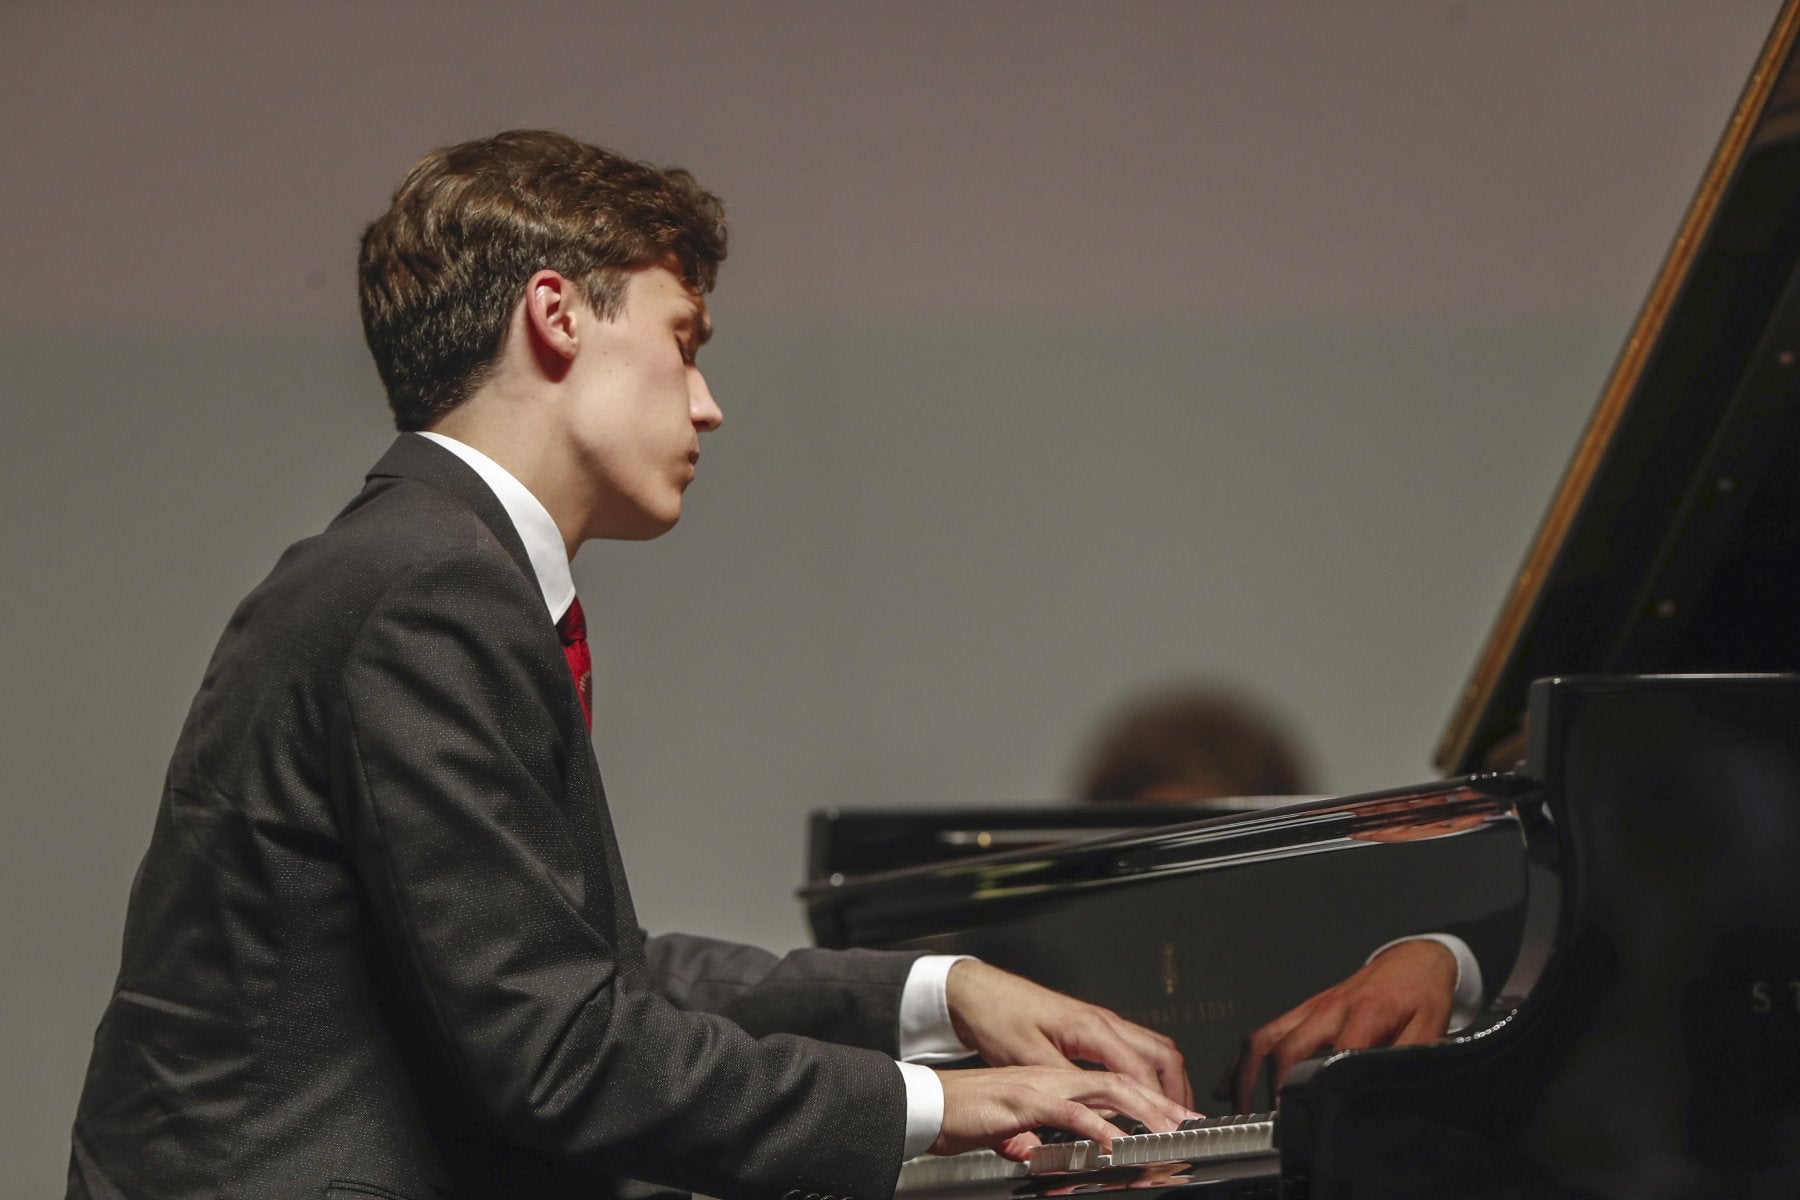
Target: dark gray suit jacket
{"points": [[382, 945]]}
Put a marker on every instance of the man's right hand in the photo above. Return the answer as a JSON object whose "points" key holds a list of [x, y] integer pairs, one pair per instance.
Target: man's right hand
{"points": [[998, 1107], [1013, 1022]]}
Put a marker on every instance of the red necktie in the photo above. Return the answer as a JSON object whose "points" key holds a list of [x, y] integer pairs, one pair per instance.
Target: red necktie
{"points": [[572, 629]]}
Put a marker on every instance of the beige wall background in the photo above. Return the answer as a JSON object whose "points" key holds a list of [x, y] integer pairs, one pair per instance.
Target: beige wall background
{"points": [[1064, 347]]}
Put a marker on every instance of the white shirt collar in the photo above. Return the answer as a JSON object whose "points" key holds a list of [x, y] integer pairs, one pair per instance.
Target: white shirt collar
{"points": [[536, 528]]}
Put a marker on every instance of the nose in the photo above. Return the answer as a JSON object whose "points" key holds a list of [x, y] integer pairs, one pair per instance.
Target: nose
{"points": [[702, 408]]}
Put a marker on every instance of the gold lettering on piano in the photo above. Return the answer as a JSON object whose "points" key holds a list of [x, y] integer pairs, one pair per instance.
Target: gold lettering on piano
{"points": [[1188, 1012], [1170, 976], [1774, 995]]}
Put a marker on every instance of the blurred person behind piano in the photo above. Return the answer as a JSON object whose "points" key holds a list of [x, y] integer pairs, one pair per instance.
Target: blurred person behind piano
{"points": [[1191, 743]]}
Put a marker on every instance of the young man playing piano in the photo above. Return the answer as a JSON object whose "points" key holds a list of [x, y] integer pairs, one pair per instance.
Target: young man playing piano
{"points": [[381, 944]]}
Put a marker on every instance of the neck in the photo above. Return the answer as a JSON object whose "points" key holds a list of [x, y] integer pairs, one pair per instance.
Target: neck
{"points": [[504, 430]]}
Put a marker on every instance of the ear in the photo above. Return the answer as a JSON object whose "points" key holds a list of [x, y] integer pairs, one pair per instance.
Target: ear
{"points": [[550, 312]]}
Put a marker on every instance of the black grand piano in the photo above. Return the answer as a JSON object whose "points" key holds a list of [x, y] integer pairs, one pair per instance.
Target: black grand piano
{"points": [[1618, 826]]}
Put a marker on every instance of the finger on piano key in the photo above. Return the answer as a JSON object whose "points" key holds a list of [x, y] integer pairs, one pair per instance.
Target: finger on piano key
{"points": [[1200, 1139]]}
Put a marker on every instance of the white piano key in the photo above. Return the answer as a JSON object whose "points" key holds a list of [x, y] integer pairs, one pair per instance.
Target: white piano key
{"points": [[1212, 1138], [976, 1166]]}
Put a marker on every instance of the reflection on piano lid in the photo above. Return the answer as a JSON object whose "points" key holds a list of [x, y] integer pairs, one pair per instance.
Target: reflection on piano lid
{"points": [[859, 841], [890, 907]]}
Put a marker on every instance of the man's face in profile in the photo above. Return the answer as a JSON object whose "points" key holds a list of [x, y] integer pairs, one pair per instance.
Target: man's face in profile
{"points": [[640, 404]]}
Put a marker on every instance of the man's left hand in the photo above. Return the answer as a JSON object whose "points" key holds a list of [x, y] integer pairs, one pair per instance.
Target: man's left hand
{"points": [[1011, 1021], [1400, 997]]}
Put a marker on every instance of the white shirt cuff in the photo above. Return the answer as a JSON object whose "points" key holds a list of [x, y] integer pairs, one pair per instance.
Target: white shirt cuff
{"points": [[1465, 1004], [924, 1108], [926, 1035]]}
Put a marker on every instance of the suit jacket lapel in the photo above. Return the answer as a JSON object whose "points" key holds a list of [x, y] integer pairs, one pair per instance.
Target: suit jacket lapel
{"points": [[425, 461]]}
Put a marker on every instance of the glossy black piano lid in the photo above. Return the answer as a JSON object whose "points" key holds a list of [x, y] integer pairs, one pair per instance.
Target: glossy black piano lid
{"points": [[860, 841], [1673, 543], [1657, 1057]]}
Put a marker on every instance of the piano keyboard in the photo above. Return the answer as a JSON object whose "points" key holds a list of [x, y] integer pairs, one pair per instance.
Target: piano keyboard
{"points": [[1196, 1141]]}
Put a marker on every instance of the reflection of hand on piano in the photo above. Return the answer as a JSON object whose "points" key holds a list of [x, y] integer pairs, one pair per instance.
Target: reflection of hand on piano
{"points": [[1011, 1021], [1400, 997]]}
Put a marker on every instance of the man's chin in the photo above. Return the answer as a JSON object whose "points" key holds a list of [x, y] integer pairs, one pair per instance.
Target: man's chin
{"points": [[642, 527]]}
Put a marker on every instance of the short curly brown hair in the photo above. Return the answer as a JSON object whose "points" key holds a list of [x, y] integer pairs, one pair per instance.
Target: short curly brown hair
{"points": [[440, 271], [1200, 742]]}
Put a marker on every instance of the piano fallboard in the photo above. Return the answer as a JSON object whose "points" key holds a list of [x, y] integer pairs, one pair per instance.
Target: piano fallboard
{"points": [[1192, 929]]}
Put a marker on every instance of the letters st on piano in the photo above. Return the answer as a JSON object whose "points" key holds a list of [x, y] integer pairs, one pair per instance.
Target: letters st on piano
{"points": [[1633, 874]]}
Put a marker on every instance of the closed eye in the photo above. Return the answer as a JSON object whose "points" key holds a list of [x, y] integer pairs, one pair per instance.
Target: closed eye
{"points": [[693, 329]]}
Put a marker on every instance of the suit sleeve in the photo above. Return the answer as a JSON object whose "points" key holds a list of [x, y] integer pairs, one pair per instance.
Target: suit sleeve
{"points": [[847, 996], [501, 922]]}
